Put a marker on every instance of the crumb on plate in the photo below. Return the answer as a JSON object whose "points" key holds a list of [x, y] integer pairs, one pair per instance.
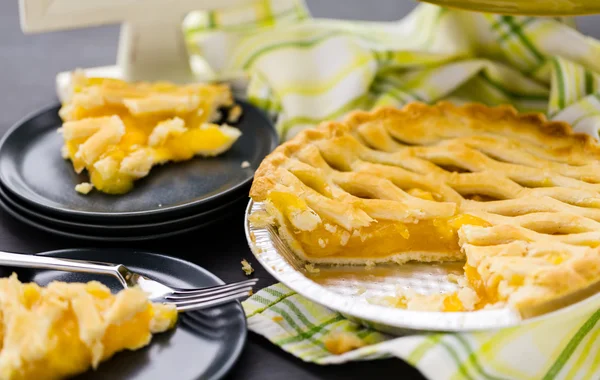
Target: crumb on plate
{"points": [[454, 278], [246, 267], [245, 165], [310, 268], [84, 188], [215, 116], [261, 219]]}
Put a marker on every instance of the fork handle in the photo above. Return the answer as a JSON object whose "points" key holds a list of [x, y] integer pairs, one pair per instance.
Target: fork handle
{"points": [[68, 265]]}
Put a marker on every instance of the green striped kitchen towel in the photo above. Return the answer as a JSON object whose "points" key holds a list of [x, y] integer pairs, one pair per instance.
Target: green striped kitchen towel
{"points": [[307, 70], [559, 348]]}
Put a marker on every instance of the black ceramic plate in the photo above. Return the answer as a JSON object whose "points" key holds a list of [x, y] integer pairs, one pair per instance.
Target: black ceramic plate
{"points": [[113, 227], [204, 345], [93, 234], [32, 169]]}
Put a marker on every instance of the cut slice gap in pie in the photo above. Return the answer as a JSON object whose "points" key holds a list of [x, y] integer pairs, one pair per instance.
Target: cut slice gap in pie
{"points": [[117, 131], [397, 185]]}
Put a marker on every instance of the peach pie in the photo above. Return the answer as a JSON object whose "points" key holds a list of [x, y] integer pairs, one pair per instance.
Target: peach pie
{"points": [[117, 130], [514, 195]]}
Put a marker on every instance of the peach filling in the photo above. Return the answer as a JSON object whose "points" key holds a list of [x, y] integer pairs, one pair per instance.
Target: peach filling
{"points": [[137, 130], [199, 137], [487, 291], [380, 239]]}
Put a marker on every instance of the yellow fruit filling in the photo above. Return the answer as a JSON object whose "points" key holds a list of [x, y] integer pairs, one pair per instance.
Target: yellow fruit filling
{"points": [[452, 303], [378, 240], [65, 329], [487, 293], [117, 130]]}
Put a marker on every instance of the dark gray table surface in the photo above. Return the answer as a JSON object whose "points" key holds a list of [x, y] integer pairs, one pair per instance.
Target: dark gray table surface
{"points": [[28, 65]]}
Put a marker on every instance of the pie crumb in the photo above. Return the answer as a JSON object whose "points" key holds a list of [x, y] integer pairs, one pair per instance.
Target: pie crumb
{"points": [[345, 237], [245, 165], [247, 268], [388, 301], [468, 298], [277, 318], [360, 290], [234, 114], [311, 268], [411, 300], [454, 278], [339, 342], [330, 228], [84, 188], [261, 219]]}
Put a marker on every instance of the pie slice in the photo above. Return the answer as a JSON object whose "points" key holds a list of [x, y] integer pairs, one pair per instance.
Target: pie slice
{"points": [[66, 328], [118, 131], [515, 195]]}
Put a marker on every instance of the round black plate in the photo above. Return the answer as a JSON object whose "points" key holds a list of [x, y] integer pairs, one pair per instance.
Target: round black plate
{"points": [[204, 345], [114, 227], [94, 234], [32, 168]]}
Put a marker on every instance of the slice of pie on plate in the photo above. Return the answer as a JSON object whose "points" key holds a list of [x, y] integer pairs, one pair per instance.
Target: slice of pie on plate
{"points": [[515, 195], [64, 329], [117, 130]]}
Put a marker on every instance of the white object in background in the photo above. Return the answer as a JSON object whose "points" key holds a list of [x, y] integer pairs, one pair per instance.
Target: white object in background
{"points": [[151, 43]]}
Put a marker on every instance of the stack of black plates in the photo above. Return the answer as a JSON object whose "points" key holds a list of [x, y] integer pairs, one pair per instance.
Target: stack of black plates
{"points": [[37, 185]]}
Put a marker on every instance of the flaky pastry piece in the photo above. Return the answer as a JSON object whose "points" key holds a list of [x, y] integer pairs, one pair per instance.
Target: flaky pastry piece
{"points": [[515, 195], [65, 329], [118, 131]]}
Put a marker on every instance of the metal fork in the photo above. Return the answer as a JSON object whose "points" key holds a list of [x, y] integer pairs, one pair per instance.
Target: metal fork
{"points": [[182, 299]]}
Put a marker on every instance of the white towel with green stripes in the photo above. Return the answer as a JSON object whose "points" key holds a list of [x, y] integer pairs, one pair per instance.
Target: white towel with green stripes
{"points": [[307, 70], [559, 348]]}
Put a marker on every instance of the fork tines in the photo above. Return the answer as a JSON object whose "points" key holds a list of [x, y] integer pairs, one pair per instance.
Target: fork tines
{"points": [[209, 297]]}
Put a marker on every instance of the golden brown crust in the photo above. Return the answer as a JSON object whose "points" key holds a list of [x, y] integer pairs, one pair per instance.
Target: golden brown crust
{"points": [[263, 177], [536, 122]]}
